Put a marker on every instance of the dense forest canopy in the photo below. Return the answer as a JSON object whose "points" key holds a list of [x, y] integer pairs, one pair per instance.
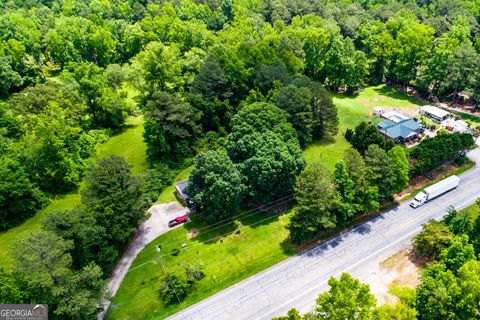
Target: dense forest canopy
{"points": [[248, 75]]}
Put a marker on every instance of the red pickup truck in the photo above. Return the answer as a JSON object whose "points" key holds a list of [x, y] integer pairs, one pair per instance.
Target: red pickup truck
{"points": [[177, 221]]}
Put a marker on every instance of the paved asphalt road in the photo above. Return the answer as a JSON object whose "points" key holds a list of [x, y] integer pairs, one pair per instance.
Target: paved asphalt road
{"points": [[297, 281]]}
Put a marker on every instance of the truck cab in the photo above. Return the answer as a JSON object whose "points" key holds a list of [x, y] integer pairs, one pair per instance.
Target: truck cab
{"points": [[419, 199]]}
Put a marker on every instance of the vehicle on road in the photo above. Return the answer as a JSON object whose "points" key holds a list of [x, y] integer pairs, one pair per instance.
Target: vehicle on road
{"points": [[177, 221], [434, 191]]}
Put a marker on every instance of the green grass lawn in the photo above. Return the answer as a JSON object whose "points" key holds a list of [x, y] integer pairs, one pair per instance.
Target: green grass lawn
{"points": [[232, 257], [351, 111], [128, 143], [238, 250], [168, 194]]}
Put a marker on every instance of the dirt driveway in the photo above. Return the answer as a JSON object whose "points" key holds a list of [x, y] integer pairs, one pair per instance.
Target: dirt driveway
{"points": [[155, 226]]}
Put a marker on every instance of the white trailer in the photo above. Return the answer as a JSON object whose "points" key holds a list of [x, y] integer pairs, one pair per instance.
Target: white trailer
{"points": [[434, 191]]}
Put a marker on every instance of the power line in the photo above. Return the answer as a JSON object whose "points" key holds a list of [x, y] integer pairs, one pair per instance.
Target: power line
{"points": [[243, 215], [205, 267], [213, 238]]}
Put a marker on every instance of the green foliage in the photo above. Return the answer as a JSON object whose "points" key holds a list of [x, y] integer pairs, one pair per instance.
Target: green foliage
{"points": [[381, 171], [215, 185], [176, 285], [366, 134], [113, 196], [265, 147], [347, 298], [458, 253], [105, 106], [13, 289], [432, 153], [315, 191], [19, 198], [69, 292], [434, 238], [400, 160], [296, 104], [170, 128]]}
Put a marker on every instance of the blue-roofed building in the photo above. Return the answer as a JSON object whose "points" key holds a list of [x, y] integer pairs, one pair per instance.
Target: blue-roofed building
{"points": [[402, 131]]}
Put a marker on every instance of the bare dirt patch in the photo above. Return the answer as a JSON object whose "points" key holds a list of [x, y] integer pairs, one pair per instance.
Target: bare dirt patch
{"points": [[193, 233], [401, 269]]}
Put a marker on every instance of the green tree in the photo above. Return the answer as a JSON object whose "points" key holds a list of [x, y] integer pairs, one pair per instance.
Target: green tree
{"points": [[315, 191], [347, 299], [105, 106], [366, 194], [41, 259], [14, 289], [324, 112], [434, 238], [81, 228], [80, 295], [113, 197], [170, 129], [19, 197], [296, 104], [437, 294], [215, 185], [400, 160], [344, 203], [469, 278], [458, 253], [211, 81], [366, 134], [381, 169], [174, 288], [160, 69], [266, 148]]}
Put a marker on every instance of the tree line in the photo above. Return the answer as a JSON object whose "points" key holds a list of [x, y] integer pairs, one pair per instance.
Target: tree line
{"points": [[67, 262]]}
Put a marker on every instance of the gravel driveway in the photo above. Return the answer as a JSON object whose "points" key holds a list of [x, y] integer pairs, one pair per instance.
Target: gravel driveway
{"points": [[155, 226]]}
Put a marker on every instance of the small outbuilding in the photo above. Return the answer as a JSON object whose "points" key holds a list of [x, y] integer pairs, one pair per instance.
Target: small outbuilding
{"points": [[180, 190], [434, 113], [378, 111]]}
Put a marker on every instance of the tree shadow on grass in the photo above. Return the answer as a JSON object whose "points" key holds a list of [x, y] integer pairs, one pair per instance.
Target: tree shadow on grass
{"points": [[209, 233], [396, 94]]}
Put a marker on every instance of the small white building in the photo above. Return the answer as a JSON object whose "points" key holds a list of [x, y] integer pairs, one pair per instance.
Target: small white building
{"points": [[434, 113], [378, 111]]}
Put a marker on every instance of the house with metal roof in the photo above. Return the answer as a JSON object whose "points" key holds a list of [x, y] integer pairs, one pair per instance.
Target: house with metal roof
{"points": [[402, 131], [434, 113]]}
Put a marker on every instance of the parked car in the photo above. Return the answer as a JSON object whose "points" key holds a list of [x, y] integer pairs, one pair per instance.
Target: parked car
{"points": [[177, 221]]}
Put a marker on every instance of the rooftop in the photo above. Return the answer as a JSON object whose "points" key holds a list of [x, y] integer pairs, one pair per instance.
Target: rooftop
{"points": [[403, 129], [437, 112]]}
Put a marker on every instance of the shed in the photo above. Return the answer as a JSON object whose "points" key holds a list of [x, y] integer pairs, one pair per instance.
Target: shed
{"points": [[378, 111], [180, 190], [434, 113]]}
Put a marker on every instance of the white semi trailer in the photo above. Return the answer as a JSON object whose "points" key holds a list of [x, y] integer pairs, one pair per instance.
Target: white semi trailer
{"points": [[434, 191]]}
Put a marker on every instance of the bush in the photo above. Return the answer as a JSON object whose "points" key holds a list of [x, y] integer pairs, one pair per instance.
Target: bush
{"points": [[174, 287]]}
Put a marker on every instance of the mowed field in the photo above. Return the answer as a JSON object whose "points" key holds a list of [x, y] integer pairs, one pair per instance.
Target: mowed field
{"points": [[128, 143], [231, 251]]}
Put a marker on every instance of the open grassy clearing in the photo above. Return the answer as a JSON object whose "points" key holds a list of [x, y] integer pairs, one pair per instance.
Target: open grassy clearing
{"points": [[168, 194], [226, 253], [351, 111], [128, 143], [232, 257]]}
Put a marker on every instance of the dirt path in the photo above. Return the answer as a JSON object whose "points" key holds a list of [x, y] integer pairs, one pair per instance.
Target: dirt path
{"points": [[155, 226], [401, 269]]}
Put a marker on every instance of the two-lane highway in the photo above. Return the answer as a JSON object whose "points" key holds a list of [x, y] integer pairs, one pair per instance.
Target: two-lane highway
{"points": [[297, 281]]}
